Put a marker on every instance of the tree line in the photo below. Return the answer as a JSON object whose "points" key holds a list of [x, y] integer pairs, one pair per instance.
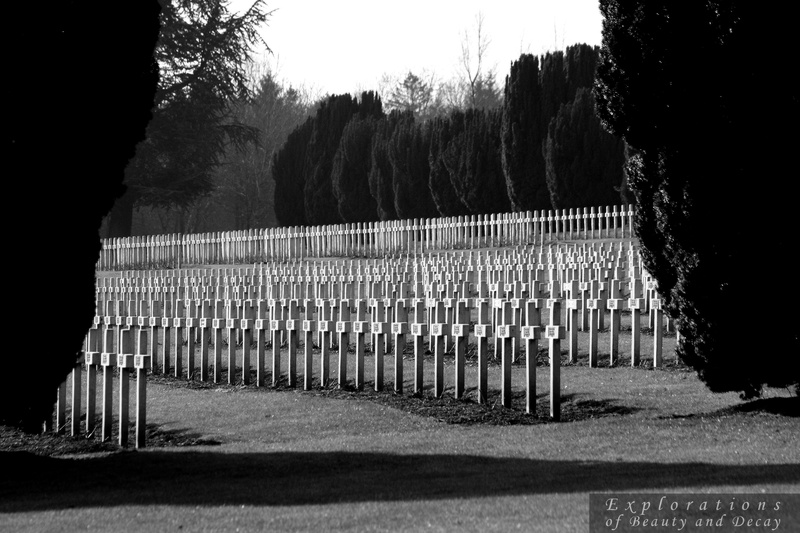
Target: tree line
{"points": [[541, 148], [232, 148]]}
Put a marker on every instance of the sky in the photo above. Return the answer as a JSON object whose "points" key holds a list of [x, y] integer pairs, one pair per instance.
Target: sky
{"points": [[347, 46]]}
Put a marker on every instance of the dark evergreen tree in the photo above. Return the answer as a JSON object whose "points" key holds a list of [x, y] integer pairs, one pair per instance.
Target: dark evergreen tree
{"points": [[553, 86], [332, 116], [321, 206], [445, 142], [684, 85], [580, 64], [380, 173], [350, 174], [70, 130], [475, 167], [289, 172], [522, 135], [201, 53], [584, 162], [408, 153]]}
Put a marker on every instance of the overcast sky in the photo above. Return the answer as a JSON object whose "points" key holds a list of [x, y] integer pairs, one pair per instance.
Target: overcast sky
{"points": [[343, 46]]}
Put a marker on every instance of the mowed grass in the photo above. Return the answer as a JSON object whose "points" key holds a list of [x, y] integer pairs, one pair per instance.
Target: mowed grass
{"points": [[229, 457]]}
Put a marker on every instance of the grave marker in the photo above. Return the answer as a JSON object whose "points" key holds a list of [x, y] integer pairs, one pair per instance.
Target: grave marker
{"points": [[614, 304], [292, 328], [125, 359], [379, 329], [92, 355], [399, 330], [439, 330], [530, 338], [142, 362], [658, 331], [460, 331], [343, 330], [419, 329], [505, 335], [108, 358], [635, 304], [555, 333], [360, 327], [308, 345]]}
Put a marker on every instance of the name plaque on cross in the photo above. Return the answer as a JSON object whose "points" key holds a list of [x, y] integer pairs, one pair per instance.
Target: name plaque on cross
{"points": [[506, 331], [460, 330], [438, 330], [483, 330], [399, 328], [530, 332]]}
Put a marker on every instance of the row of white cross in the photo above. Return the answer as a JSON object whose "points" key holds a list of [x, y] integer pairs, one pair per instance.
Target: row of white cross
{"points": [[371, 239], [448, 299]]}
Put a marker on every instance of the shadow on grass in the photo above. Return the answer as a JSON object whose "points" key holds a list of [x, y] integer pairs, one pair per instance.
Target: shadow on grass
{"points": [[787, 406], [31, 482]]}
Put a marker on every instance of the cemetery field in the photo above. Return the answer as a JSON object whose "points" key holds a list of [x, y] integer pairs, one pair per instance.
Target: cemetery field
{"points": [[223, 457]]}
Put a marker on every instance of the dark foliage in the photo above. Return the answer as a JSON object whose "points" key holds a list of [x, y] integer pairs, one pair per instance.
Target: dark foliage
{"points": [[350, 174], [584, 162], [73, 126], [289, 172], [522, 134], [473, 161], [321, 206], [380, 172], [685, 84], [446, 143], [580, 64], [408, 153], [201, 53]]}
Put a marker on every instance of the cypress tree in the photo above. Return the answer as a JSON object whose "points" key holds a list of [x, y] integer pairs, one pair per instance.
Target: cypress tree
{"points": [[554, 87], [408, 153], [321, 206], [682, 83], [580, 64], [476, 170], [351, 167], [584, 162], [289, 172], [329, 122], [522, 134], [380, 172], [445, 139]]}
